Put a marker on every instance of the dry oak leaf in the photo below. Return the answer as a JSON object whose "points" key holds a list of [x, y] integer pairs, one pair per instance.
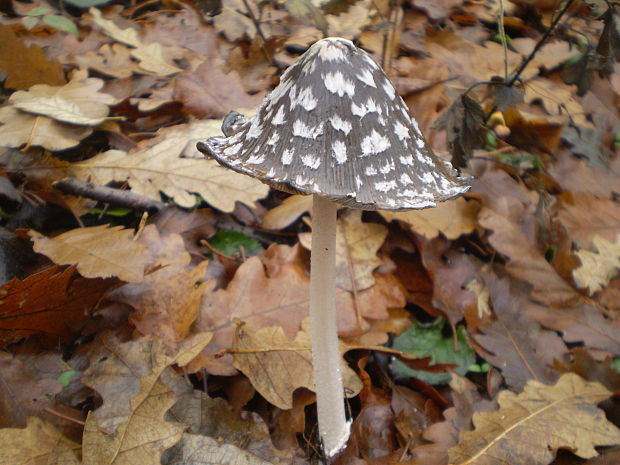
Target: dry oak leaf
{"points": [[28, 384], [526, 262], [530, 427], [557, 98], [587, 217], [217, 418], [114, 61], [165, 305], [279, 295], [154, 58], [37, 444], [18, 128], [598, 268], [209, 92], [78, 102], [97, 252], [277, 366], [170, 163], [50, 303], [357, 244], [26, 66], [515, 343], [126, 374], [452, 219], [287, 212], [196, 449]]}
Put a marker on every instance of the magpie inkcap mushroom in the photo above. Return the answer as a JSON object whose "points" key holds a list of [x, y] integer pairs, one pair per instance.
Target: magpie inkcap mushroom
{"points": [[336, 127]]}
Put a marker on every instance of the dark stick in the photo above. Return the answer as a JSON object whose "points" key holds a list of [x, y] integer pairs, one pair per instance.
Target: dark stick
{"points": [[540, 43], [109, 195]]}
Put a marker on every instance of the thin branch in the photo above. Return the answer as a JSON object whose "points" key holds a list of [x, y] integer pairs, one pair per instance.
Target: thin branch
{"points": [[502, 35], [539, 44], [109, 195]]}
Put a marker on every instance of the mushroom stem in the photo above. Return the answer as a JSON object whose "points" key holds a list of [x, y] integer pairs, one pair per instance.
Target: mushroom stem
{"points": [[333, 426]]}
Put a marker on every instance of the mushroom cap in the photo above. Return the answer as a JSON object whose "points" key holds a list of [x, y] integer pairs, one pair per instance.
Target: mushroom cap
{"points": [[336, 127]]}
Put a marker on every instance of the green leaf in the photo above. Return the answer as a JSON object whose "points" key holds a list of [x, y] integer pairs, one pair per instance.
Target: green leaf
{"points": [[615, 364], [229, 242], [29, 22], [117, 212], [39, 11], [61, 23], [65, 377], [428, 340]]}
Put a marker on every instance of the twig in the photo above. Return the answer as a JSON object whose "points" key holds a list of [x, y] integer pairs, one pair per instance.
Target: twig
{"points": [[539, 44], [110, 195], [217, 252], [259, 31], [502, 35]]}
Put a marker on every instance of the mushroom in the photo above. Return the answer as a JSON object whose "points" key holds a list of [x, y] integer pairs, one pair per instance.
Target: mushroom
{"points": [[335, 128]]}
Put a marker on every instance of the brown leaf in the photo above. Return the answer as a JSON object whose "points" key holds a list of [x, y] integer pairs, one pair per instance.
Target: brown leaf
{"points": [[198, 450], [573, 175], [18, 128], [170, 163], [26, 66], [532, 426], [280, 297], [166, 305], [599, 267], [114, 61], [97, 252], [588, 217], [277, 365], [37, 444], [517, 345], [26, 389], [452, 218], [286, 213], [128, 375], [208, 92], [51, 303], [78, 102], [526, 262], [357, 244]]}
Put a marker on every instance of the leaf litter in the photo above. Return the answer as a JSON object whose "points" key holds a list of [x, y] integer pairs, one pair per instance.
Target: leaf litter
{"points": [[186, 347]]}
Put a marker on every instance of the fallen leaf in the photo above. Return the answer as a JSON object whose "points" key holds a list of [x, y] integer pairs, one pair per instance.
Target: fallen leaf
{"points": [[153, 58], [452, 219], [171, 164], [26, 66], [78, 102], [277, 365], [18, 128], [97, 252], [235, 22], [36, 444], [557, 98], [526, 262], [24, 389], [427, 340], [208, 92], [599, 267], [130, 376], [588, 216], [514, 342], [198, 450], [280, 297], [286, 213], [165, 306], [51, 303], [357, 244], [350, 23], [532, 426], [573, 175], [216, 418], [114, 61]]}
